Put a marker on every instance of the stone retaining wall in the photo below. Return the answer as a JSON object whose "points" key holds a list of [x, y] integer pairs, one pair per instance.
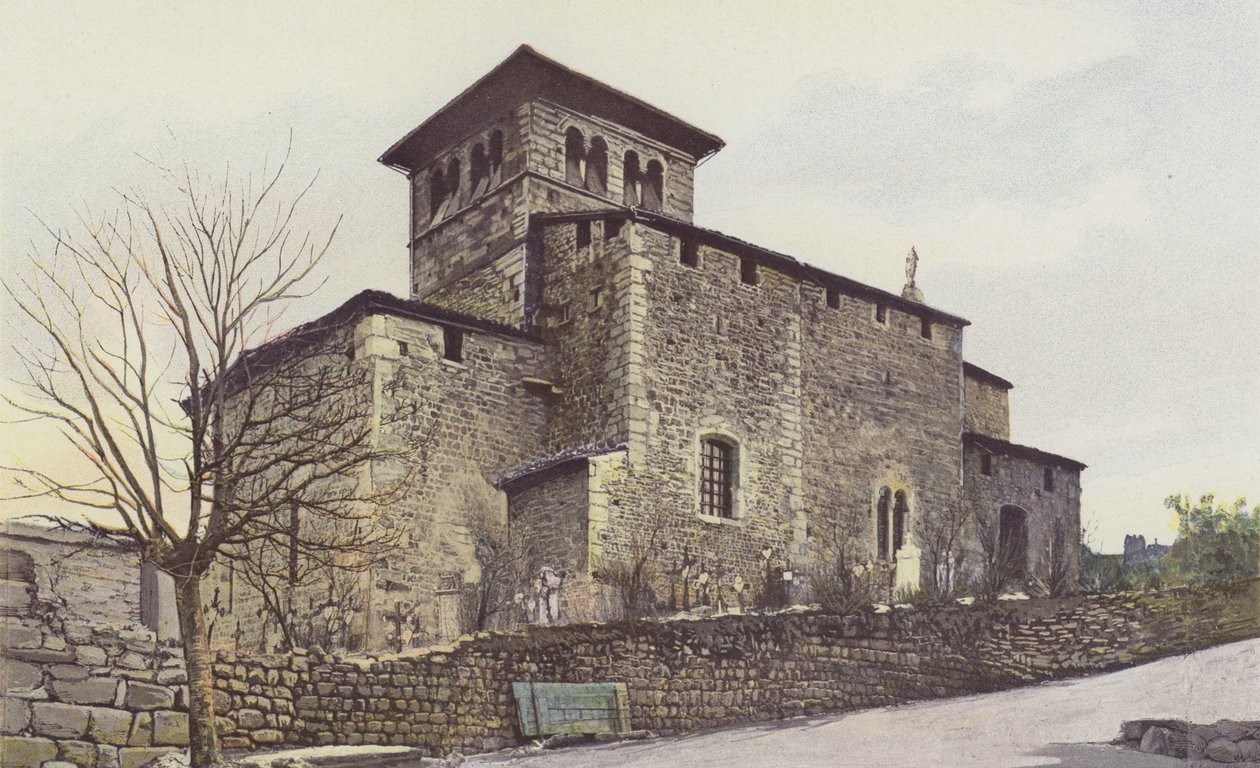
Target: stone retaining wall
{"points": [[116, 698], [95, 698], [83, 680], [684, 675]]}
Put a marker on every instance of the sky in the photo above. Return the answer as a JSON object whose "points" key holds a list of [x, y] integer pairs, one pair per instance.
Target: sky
{"points": [[1079, 180]]}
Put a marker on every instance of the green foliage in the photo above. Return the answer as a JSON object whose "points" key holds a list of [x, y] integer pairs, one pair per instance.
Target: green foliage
{"points": [[1215, 542]]}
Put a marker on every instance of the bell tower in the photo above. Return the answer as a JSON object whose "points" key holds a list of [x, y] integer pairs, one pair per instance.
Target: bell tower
{"points": [[531, 136]]}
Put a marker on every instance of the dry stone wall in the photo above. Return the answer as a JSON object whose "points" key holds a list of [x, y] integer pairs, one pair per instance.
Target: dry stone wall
{"points": [[96, 699], [83, 681], [684, 675], [115, 698]]}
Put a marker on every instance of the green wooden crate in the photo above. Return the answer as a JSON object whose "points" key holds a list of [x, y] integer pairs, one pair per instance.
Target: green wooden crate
{"points": [[547, 708]]}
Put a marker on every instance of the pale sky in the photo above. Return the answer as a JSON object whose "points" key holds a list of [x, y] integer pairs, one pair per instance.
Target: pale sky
{"points": [[1080, 180]]}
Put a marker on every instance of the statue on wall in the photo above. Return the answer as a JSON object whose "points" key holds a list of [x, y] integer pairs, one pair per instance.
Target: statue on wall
{"points": [[910, 290]]}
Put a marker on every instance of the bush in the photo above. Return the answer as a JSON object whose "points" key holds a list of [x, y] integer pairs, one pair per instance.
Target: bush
{"points": [[1215, 542]]}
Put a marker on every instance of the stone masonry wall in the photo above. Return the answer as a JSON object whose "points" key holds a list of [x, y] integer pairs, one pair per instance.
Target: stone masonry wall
{"points": [[477, 228], [496, 291], [987, 408], [825, 404], [586, 324], [721, 359], [677, 378], [1019, 482], [685, 675], [106, 577], [548, 123], [549, 518], [237, 613], [881, 408], [84, 682], [483, 418]]}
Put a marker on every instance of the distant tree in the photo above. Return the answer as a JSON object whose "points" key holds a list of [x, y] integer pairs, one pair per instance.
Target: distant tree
{"points": [[144, 354], [1215, 542]]}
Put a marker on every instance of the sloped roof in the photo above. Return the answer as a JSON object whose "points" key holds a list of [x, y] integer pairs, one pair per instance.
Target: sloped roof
{"points": [[372, 302], [1004, 448], [257, 360], [537, 469], [527, 75], [974, 371]]}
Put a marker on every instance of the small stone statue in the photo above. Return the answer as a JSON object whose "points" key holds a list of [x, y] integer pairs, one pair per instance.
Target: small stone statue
{"points": [[548, 587], [910, 290]]}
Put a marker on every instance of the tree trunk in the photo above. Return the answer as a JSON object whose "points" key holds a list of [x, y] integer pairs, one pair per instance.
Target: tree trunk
{"points": [[203, 746]]}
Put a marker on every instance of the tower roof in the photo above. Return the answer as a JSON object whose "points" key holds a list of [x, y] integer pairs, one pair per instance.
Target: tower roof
{"points": [[526, 75]]}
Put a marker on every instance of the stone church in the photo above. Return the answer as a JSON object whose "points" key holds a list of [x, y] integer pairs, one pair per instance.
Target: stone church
{"points": [[616, 382]]}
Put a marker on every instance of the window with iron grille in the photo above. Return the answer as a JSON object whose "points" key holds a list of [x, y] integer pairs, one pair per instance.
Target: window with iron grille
{"points": [[717, 478]]}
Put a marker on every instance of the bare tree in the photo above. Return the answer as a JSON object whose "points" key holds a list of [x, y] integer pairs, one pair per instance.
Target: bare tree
{"points": [[506, 570], [201, 447], [308, 585], [842, 581], [942, 534], [632, 573]]}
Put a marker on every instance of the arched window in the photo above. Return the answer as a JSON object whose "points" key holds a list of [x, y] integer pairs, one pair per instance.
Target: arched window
{"points": [[437, 192], [479, 172], [496, 158], [901, 518], [597, 167], [654, 186], [630, 179], [717, 477], [1013, 541], [453, 183], [882, 504], [573, 156]]}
